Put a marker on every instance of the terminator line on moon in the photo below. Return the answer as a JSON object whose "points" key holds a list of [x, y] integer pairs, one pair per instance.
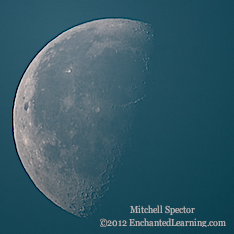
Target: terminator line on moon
{"points": [[74, 108]]}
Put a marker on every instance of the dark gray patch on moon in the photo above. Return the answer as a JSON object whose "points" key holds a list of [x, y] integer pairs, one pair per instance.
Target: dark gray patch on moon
{"points": [[74, 108]]}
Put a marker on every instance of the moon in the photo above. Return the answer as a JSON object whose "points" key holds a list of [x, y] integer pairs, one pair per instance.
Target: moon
{"points": [[74, 109]]}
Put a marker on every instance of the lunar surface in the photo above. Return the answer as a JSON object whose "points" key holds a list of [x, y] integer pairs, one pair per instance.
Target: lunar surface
{"points": [[74, 109]]}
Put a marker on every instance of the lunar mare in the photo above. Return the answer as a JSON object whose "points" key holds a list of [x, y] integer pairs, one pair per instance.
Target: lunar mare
{"points": [[74, 109]]}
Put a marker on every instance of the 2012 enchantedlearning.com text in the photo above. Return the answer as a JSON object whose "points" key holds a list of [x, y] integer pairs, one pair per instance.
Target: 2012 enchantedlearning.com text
{"points": [[160, 223]]}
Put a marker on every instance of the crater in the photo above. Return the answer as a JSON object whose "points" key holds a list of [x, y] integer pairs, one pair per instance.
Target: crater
{"points": [[97, 109], [26, 106]]}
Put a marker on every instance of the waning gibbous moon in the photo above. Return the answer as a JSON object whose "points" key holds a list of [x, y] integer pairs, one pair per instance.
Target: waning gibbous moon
{"points": [[74, 108]]}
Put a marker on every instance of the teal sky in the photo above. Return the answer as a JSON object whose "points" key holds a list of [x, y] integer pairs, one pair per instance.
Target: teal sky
{"points": [[182, 150]]}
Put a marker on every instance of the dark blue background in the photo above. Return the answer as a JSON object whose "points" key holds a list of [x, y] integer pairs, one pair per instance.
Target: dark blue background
{"points": [[183, 146]]}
